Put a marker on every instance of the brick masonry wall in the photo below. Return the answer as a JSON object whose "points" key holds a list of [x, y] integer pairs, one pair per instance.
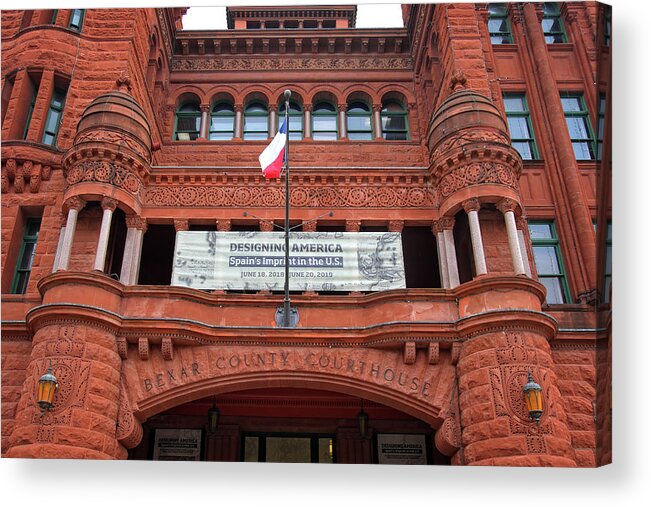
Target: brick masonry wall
{"points": [[576, 371], [15, 358]]}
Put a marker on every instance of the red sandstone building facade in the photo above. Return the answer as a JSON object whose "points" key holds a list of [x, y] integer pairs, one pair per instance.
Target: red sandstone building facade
{"points": [[479, 132]]}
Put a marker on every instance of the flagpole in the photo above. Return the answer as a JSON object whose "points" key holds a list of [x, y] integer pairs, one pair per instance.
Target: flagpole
{"points": [[286, 302]]}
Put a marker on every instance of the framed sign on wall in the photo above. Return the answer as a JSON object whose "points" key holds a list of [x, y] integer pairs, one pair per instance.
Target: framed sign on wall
{"points": [[177, 445]]}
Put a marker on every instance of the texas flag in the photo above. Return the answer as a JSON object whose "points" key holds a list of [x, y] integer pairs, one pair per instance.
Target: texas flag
{"points": [[271, 159]]}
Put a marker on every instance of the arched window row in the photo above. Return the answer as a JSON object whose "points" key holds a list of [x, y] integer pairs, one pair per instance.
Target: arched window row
{"points": [[322, 120]]}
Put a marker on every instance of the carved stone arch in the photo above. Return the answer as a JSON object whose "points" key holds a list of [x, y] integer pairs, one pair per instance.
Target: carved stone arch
{"points": [[327, 96], [221, 96], [188, 94], [327, 93], [297, 96], [257, 95], [157, 403], [360, 95]]}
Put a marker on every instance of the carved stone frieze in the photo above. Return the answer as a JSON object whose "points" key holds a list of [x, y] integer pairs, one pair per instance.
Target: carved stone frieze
{"points": [[476, 173], [300, 197], [306, 63], [104, 171]]}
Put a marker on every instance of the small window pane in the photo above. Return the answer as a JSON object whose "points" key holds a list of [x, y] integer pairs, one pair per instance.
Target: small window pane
{"points": [[325, 136], [524, 149], [288, 450], [325, 122], [52, 121], [554, 290], [514, 104], [186, 123], [359, 122], [394, 123], [582, 150], [540, 231], [546, 261], [577, 128], [326, 450], [223, 123], [255, 124], [571, 104], [519, 128], [48, 139]]}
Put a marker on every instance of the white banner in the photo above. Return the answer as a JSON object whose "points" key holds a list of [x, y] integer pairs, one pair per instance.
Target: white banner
{"points": [[319, 261]]}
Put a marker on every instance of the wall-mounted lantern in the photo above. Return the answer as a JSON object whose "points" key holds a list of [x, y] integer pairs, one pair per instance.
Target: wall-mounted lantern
{"points": [[47, 386], [213, 418], [533, 398], [362, 421]]}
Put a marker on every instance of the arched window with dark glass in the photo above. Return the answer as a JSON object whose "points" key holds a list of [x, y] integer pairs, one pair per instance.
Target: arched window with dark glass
{"points": [[222, 122], [295, 120], [358, 122], [395, 126], [256, 122], [188, 122], [324, 122]]}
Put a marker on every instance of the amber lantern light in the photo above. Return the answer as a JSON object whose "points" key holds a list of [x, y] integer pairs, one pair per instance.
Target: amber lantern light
{"points": [[533, 398], [47, 386], [213, 418]]}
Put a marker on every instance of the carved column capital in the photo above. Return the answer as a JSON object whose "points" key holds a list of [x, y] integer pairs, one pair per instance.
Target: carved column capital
{"points": [[273, 108], [446, 223], [75, 202], [136, 222], [507, 205], [307, 107], [266, 226], [181, 225], [396, 225], [471, 204], [353, 225], [521, 223], [223, 225], [342, 108], [238, 108], [309, 226], [205, 108], [109, 203], [377, 108]]}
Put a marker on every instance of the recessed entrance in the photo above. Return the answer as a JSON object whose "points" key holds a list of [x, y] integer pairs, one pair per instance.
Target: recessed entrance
{"points": [[287, 425]]}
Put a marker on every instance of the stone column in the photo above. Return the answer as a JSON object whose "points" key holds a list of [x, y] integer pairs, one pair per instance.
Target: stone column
{"points": [[343, 130], [521, 224], [447, 226], [239, 110], [136, 228], [273, 120], [377, 121], [508, 207], [108, 207], [205, 121], [307, 121], [582, 238], [440, 250], [471, 207], [62, 233], [74, 205]]}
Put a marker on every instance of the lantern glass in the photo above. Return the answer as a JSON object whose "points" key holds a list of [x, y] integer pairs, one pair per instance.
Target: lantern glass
{"points": [[213, 419], [47, 386], [533, 399], [362, 421]]}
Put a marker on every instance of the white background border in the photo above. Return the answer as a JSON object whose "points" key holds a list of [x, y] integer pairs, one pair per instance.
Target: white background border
{"points": [[77, 483]]}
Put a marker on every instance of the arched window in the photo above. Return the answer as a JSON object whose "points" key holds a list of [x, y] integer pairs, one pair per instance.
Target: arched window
{"points": [[188, 122], [295, 120], [358, 122], [394, 121], [324, 122], [222, 122], [256, 122]]}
